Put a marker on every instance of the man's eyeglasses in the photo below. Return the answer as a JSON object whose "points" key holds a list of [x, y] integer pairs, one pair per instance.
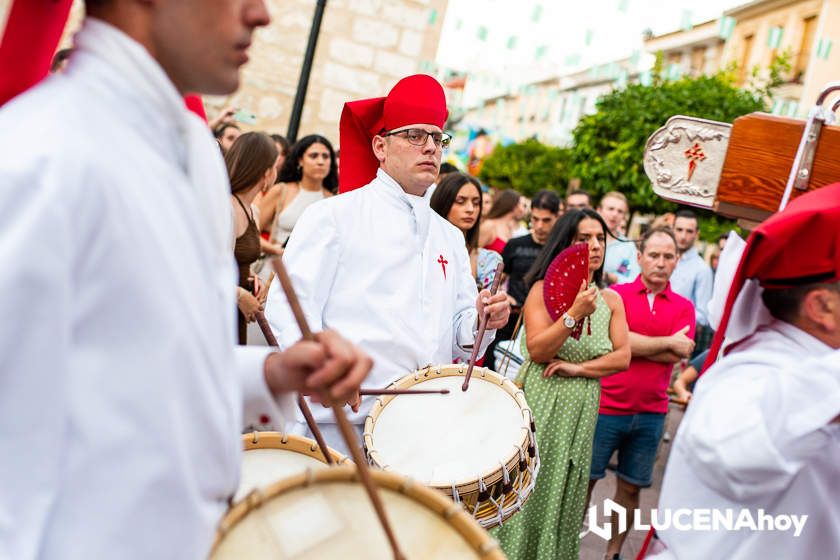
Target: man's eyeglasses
{"points": [[419, 137]]}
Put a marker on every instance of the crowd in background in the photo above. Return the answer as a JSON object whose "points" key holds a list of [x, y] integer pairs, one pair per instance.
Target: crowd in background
{"points": [[645, 307]]}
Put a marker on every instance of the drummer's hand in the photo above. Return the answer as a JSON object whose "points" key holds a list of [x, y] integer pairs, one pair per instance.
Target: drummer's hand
{"points": [[498, 306], [258, 286], [563, 369], [287, 371], [343, 372], [355, 402], [249, 305]]}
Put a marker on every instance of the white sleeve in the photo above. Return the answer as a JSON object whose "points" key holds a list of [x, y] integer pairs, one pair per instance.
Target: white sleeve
{"points": [[750, 435], [261, 408], [311, 259], [703, 294], [38, 226], [465, 321], [730, 257]]}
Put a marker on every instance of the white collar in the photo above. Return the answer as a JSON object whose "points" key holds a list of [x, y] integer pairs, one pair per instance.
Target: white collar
{"points": [[417, 206], [810, 345], [141, 80]]}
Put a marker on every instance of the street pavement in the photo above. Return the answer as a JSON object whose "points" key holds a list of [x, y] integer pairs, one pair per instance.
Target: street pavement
{"points": [[593, 547]]}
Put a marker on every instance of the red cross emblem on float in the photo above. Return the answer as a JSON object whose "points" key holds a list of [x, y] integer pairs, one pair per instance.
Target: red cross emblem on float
{"points": [[443, 262], [694, 154]]}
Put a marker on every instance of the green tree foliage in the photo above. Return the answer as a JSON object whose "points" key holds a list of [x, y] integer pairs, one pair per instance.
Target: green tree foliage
{"points": [[609, 144], [528, 167]]}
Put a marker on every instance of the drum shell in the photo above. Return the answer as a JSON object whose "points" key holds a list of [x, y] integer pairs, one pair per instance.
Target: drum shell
{"points": [[450, 514], [519, 463]]}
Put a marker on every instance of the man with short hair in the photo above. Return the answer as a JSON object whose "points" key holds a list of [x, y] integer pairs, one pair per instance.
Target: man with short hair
{"points": [[377, 262], [693, 278], [620, 262], [631, 417], [122, 392], [578, 200], [519, 254], [761, 437]]}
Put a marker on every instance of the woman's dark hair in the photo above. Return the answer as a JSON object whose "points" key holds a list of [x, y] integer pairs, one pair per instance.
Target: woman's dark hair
{"points": [[280, 139], [291, 171], [503, 203], [444, 197], [562, 236], [248, 159]]}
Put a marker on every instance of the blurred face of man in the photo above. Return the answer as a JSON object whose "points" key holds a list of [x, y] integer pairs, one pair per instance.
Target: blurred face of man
{"points": [[577, 202], [201, 44], [542, 221], [685, 230], [613, 210], [658, 261], [415, 168]]}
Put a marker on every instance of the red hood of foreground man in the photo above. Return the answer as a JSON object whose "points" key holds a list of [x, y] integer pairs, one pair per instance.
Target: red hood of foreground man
{"points": [[799, 245], [28, 45]]}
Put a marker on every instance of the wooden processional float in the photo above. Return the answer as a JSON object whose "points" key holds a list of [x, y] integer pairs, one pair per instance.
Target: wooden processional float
{"points": [[749, 169]]}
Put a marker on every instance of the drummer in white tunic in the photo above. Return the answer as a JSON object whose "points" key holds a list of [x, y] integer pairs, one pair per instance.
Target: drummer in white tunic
{"points": [[377, 263], [121, 388], [762, 432]]}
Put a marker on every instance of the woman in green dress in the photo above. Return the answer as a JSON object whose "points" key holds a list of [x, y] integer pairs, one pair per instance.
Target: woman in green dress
{"points": [[560, 378]]}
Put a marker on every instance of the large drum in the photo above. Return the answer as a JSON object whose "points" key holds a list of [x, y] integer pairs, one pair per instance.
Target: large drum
{"points": [[326, 514], [476, 446], [271, 456]]}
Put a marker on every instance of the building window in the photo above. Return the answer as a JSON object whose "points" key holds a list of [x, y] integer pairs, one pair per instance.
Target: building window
{"points": [[743, 63], [809, 29], [698, 60]]}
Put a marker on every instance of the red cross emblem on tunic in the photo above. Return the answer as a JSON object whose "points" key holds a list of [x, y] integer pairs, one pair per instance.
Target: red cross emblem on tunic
{"points": [[694, 154], [443, 262]]}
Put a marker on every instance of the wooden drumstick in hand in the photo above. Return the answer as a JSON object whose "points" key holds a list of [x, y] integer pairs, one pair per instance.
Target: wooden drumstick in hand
{"points": [[350, 438], [482, 327], [304, 408]]}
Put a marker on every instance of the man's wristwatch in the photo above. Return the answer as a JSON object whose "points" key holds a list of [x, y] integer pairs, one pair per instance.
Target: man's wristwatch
{"points": [[568, 321]]}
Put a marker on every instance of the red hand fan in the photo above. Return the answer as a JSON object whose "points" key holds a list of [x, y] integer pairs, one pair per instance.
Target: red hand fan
{"points": [[563, 280]]}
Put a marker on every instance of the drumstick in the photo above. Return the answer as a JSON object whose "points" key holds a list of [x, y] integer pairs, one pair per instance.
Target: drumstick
{"points": [[482, 326], [304, 408], [264, 295], [347, 431], [375, 392]]}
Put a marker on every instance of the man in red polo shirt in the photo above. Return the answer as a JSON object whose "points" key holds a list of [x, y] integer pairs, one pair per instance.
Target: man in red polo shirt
{"points": [[631, 418]]}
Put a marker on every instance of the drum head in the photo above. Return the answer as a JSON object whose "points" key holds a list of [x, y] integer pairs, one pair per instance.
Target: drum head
{"points": [[326, 514], [449, 439], [271, 456]]}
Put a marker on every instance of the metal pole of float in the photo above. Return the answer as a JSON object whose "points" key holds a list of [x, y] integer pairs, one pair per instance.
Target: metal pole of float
{"points": [[305, 70]]}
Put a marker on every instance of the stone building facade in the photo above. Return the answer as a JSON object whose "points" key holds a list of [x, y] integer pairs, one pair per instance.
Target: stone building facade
{"points": [[364, 47]]}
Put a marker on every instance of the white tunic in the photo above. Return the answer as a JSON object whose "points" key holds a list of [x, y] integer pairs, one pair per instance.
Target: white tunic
{"points": [[120, 388], [382, 268], [758, 435]]}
